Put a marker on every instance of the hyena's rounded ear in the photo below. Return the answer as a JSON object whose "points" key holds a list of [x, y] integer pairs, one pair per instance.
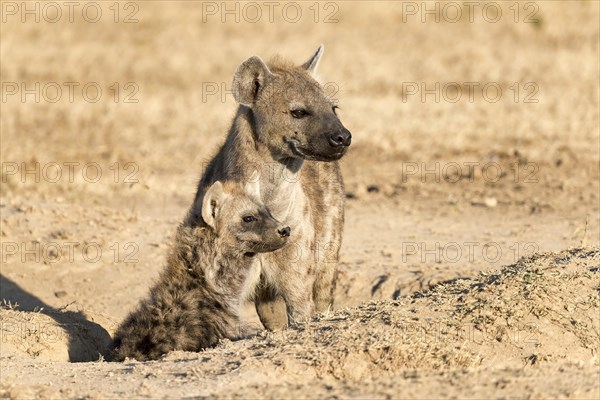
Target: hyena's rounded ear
{"points": [[212, 203], [249, 79], [312, 64]]}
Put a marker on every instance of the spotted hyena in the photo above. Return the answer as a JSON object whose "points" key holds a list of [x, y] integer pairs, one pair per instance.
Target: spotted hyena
{"points": [[196, 301], [288, 136]]}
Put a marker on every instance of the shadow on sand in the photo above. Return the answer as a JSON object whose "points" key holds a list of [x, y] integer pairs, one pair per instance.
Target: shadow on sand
{"points": [[87, 340]]}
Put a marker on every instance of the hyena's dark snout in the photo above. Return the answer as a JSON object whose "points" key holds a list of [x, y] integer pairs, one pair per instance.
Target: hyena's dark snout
{"points": [[284, 232], [340, 138]]}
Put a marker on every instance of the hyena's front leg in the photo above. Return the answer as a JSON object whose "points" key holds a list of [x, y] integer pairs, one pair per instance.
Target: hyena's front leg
{"points": [[271, 309], [288, 275], [269, 304], [296, 288], [327, 256], [324, 287], [299, 301]]}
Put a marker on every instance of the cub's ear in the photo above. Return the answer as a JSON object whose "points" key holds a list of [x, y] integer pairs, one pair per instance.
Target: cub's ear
{"points": [[249, 79], [213, 203], [312, 64]]}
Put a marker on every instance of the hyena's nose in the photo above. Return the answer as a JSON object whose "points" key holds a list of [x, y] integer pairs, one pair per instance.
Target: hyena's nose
{"points": [[284, 232], [340, 138]]}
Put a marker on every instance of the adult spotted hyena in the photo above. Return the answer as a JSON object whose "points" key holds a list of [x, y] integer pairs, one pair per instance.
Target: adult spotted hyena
{"points": [[287, 135], [196, 300]]}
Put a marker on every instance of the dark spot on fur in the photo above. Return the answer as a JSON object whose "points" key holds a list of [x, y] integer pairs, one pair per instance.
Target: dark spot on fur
{"points": [[145, 345]]}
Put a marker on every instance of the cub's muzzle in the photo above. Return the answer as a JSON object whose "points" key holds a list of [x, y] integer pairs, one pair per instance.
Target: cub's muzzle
{"points": [[284, 232]]}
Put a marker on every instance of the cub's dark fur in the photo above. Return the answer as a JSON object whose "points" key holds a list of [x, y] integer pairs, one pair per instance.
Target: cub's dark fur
{"points": [[195, 302]]}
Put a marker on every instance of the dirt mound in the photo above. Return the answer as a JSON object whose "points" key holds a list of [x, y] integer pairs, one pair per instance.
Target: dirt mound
{"points": [[542, 308], [534, 319], [529, 329], [51, 335]]}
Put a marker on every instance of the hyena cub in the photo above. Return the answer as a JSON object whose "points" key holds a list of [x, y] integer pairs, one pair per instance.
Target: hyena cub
{"points": [[196, 300]]}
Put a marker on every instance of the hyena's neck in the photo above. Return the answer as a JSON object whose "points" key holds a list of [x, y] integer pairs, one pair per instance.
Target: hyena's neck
{"points": [[280, 185], [199, 256]]}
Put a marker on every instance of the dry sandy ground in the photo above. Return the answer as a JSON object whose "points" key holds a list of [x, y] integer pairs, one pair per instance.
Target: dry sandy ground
{"points": [[78, 254], [530, 330]]}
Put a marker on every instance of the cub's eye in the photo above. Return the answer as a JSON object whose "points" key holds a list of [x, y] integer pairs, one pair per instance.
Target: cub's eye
{"points": [[299, 113], [249, 218], [334, 108]]}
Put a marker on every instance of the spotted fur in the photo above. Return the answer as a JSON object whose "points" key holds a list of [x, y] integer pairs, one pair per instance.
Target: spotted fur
{"points": [[300, 182], [196, 300]]}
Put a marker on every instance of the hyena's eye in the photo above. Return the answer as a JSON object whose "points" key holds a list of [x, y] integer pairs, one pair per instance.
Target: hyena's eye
{"points": [[249, 218], [334, 108], [299, 113]]}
